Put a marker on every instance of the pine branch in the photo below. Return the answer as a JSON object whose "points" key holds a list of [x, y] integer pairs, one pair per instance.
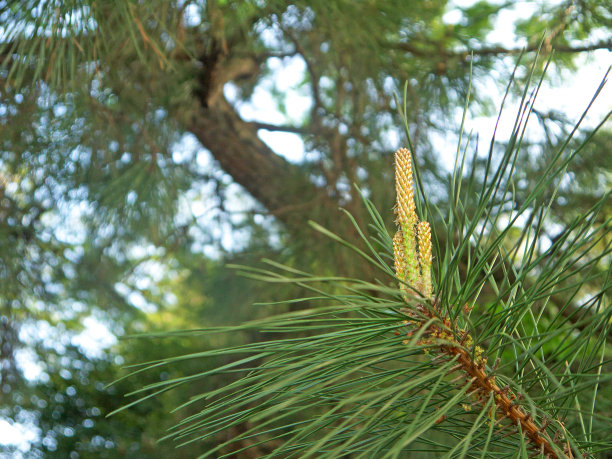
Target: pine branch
{"points": [[472, 364], [441, 51], [339, 381], [280, 128], [433, 325]]}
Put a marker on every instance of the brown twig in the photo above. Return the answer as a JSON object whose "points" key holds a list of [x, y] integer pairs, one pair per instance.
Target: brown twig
{"points": [[145, 37], [482, 384]]}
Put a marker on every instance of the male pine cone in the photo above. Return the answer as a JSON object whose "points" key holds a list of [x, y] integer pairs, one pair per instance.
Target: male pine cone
{"points": [[413, 268]]}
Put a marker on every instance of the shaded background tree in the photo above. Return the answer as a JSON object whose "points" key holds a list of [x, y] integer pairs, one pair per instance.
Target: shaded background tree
{"points": [[131, 169]]}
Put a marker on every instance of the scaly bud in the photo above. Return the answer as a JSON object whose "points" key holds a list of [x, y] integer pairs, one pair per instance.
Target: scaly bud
{"points": [[405, 208], [412, 276], [425, 258], [400, 255]]}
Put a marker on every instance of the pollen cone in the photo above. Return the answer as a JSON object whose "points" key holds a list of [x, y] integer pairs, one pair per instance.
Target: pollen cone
{"points": [[405, 208]]}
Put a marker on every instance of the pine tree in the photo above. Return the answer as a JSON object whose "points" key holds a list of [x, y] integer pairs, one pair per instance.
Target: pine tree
{"points": [[406, 364], [99, 104]]}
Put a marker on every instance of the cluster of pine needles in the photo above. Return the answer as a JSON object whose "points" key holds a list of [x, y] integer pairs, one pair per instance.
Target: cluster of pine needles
{"points": [[475, 339]]}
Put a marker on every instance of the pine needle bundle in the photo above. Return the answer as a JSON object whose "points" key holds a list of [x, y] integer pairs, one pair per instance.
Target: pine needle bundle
{"points": [[419, 362]]}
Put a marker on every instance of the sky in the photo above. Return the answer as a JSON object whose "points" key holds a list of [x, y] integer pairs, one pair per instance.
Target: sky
{"points": [[572, 97]]}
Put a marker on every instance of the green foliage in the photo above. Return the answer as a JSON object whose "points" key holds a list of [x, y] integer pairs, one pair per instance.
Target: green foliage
{"points": [[102, 168], [365, 370]]}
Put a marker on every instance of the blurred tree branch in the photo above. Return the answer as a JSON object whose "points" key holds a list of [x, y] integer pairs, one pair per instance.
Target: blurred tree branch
{"points": [[442, 51]]}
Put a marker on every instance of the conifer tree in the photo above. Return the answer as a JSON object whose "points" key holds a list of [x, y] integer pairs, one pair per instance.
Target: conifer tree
{"points": [[408, 363], [117, 118]]}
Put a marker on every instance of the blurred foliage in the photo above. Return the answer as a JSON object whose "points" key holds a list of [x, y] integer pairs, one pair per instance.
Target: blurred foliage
{"points": [[111, 206]]}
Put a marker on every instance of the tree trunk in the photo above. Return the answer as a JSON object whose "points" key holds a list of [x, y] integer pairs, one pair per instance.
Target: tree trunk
{"points": [[283, 188]]}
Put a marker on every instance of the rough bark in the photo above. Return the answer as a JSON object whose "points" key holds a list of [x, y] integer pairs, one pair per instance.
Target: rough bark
{"points": [[282, 187]]}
